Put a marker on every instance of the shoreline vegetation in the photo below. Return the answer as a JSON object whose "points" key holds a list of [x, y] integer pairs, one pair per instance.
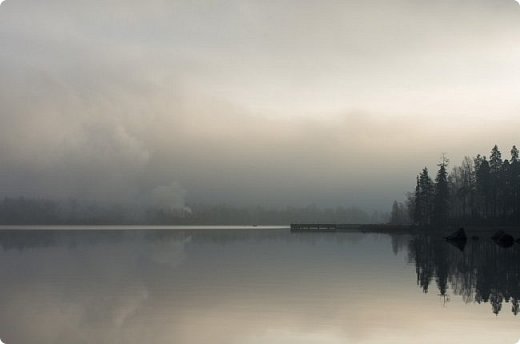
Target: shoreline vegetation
{"points": [[32, 211], [471, 230], [483, 231], [480, 192]]}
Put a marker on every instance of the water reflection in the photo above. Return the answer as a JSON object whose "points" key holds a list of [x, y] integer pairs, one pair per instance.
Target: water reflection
{"points": [[479, 271], [250, 286]]}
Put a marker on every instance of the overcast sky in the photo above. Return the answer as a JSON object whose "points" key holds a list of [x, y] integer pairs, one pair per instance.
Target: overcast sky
{"points": [[286, 102]]}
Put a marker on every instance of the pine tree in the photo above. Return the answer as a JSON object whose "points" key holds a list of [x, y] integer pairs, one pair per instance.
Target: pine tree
{"points": [[480, 190], [416, 202], [424, 192], [515, 184], [441, 197], [514, 154], [483, 184], [495, 167], [505, 190], [394, 217]]}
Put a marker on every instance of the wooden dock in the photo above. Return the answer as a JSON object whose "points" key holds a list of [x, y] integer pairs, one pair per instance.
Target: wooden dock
{"points": [[336, 227], [314, 227]]}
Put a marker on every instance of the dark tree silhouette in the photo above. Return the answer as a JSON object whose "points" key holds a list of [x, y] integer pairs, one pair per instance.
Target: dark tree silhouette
{"points": [[424, 194], [399, 214], [479, 191], [495, 170], [514, 180], [483, 184], [441, 198]]}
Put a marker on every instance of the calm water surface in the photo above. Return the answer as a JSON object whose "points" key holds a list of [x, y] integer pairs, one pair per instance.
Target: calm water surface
{"points": [[253, 285]]}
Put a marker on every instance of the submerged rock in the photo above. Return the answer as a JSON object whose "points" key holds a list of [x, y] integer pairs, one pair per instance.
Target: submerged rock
{"points": [[459, 235], [497, 235], [503, 239], [458, 239], [460, 244]]}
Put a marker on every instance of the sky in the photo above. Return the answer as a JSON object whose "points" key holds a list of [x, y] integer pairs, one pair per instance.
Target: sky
{"points": [[334, 103]]}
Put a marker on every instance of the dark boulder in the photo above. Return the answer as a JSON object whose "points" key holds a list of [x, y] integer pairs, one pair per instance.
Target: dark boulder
{"points": [[459, 235], [503, 239], [497, 235], [459, 244]]}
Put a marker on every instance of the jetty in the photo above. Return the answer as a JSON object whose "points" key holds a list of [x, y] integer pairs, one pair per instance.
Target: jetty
{"points": [[318, 227], [336, 227]]}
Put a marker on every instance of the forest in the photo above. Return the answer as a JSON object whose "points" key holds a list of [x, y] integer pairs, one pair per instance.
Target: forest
{"points": [[480, 191], [35, 211]]}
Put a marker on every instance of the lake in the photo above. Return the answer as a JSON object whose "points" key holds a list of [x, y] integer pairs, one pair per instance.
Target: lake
{"points": [[253, 285]]}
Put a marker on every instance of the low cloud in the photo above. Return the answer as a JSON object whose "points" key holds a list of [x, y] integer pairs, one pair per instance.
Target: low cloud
{"points": [[241, 104]]}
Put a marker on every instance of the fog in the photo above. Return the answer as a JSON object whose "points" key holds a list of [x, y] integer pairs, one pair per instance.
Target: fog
{"points": [[250, 102]]}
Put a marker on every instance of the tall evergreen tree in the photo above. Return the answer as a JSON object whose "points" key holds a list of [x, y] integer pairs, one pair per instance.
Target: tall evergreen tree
{"points": [[495, 167], [505, 190], [424, 193], [468, 187], [399, 214], [514, 154], [441, 197], [515, 184], [480, 191], [414, 201], [394, 216], [483, 181]]}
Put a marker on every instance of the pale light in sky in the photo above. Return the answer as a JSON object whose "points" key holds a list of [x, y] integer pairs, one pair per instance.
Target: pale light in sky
{"points": [[340, 101]]}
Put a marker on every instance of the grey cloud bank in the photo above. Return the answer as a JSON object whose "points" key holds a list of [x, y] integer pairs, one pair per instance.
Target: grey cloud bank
{"points": [[246, 102]]}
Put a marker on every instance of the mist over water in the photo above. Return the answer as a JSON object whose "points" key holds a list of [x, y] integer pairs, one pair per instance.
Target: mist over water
{"points": [[244, 285], [223, 118]]}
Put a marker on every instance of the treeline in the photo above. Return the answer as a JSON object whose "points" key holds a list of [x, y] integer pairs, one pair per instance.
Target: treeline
{"points": [[481, 190], [28, 211]]}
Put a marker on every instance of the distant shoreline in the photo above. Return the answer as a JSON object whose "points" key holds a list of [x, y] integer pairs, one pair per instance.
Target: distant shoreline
{"points": [[471, 230], [484, 230]]}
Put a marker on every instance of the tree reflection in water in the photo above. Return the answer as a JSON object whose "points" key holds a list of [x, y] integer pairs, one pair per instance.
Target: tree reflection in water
{"points": [[479, 271]]}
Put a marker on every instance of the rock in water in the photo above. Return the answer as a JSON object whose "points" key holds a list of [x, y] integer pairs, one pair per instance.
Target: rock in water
{"points": [[459, 235], [497, 235], [503, 239]]}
